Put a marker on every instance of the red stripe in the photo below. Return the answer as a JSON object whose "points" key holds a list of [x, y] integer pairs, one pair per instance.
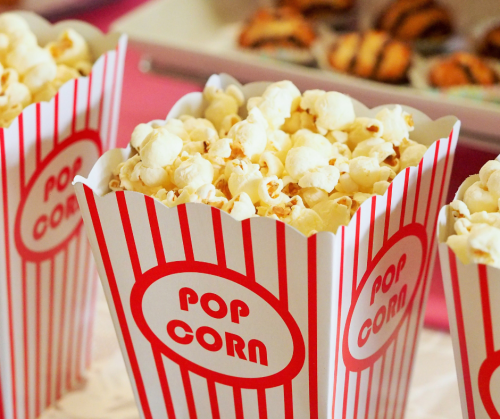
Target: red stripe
{"points": [[405, 197], [120, 313], [186, 234], [155, 230], [417, 192], [62, 332], [6, 227], [25, 340], [74, 304], [288, 394], [388, 213], [461, 335], [90, 325], [165, 388], [22, 167], [390, 377], [218, 237], [188, 390], [247, 247], [129, 235], [339, 316], [48, 394], [356, 252], [38, 355], [283, 296], [238, 403], [379, 393], [346, 394], [113, 99], [103, 89], [89, 95], [261, 400], [312, 325], [56, 119], [356, 401], [486, 307], [214, 403], [372, 227], [38, 135], [79, 337], [433, 178], [398, 386], [369, 393], [75, 101]]}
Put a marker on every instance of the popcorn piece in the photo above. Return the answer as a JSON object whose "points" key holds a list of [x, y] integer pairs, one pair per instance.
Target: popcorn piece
{"points": [[459, 245], [312, 196], [493, 183], [250, 135], [277, 103], [270, 164], [153, 176], [363, 129], [303, 159], [222, 103], [130, 181], [269, 190], [483, 245], [380, 188], [240, 207], [194, 172], [325, 178], [227, 123], [337, 136], [279, 142], [36, 77], [459, 210], [333, 110], [306, 220], [334, 213], [245, 178], [24, 58], [487, 170], [463, 226], [70, 48], [306, 138], [397, 124], [365, 171], [477, 198], [160, 148], [139, 134], [15, 94], [299, 120], [221, 148], [412, 155]]}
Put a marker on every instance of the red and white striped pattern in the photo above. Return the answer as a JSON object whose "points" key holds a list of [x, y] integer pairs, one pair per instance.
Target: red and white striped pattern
{"points": [[46, 303], [314, 279], [472, 295]]}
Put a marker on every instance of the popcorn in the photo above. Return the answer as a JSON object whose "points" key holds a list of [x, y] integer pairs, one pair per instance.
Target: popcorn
{"points": [[477, 219], [33, 73], [305, 160]]}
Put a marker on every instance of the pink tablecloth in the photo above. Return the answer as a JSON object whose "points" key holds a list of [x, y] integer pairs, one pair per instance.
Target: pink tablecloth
{"points": [[148, 96]]}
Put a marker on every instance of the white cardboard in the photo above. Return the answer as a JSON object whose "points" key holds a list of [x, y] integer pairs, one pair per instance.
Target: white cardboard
{"points": [[304, 302], [472, 294], [46, 270]]}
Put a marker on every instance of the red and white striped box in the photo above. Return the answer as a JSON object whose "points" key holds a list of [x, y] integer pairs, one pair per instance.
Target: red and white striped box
{"points": [[228, 320], [47, 274], [472, 295]]}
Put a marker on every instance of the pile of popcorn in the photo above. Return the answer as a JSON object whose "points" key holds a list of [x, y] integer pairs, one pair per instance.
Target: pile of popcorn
{"points": [[305, 159], [30, 73], [477, 219]]}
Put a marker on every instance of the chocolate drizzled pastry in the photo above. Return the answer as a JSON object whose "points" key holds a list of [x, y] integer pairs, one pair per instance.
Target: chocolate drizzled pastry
{"points": [[372, 55], [490, 44], [462, 69], [410, 20], [319, 8], [282, 27]]}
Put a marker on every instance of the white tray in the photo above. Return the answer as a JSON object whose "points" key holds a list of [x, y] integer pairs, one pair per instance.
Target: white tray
{"points": [[197, 38]]}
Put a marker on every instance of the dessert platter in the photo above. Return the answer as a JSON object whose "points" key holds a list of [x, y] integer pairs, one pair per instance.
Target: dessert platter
{"points": [[203, 40]]}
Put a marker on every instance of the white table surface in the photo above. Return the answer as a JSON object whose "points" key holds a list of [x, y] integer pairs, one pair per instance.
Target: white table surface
{"points": [[107, 394]]}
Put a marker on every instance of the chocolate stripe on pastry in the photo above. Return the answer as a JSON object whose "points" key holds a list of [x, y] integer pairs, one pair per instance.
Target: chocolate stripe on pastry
{"points": [[401, 19], [288, 41], [354, 59], [469, 74], [380, 58]]}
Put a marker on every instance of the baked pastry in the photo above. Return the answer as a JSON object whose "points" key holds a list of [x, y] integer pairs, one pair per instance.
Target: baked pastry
{"points": [[319, 8], [372, 55], [462, 69], [490, 44], [277, 28], [410, 20]]}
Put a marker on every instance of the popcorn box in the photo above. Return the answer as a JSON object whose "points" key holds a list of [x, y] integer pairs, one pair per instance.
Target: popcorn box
{"points": [[471, 291], [46, 269], [227, 319]]}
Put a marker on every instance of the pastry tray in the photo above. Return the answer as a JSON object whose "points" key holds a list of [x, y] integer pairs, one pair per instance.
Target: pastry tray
{"points": [[197, 38]]}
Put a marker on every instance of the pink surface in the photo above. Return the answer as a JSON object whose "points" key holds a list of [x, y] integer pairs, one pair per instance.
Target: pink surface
{"points": [[149, 96]]}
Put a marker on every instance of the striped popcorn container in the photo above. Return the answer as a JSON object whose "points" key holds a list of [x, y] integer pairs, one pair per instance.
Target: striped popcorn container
{"points": [[47, 279], [471, 292], [225, 319]]}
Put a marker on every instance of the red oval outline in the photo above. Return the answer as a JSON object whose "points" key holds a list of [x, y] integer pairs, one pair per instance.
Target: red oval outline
{"points": [[161, 272], [486, 371], [356, 364], [24, 251]]}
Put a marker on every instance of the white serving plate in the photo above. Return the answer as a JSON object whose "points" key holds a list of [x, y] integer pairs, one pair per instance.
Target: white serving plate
{"points": [[198, 38]]}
